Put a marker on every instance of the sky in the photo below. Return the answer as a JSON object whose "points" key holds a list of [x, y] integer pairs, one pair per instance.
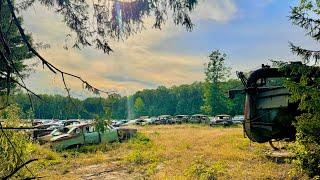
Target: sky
{"points": [[250, 32]]}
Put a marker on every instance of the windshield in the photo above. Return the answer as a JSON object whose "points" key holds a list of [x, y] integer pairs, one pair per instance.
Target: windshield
{"points": [[74, 130], [57, 132]]}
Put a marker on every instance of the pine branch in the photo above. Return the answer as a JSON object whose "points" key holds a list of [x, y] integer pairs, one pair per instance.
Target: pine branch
{"points": [[303, 20], [305, 54], [46, 63]]}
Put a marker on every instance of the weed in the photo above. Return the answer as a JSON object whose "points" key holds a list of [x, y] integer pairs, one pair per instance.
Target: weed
{"points": [[205, 170]]}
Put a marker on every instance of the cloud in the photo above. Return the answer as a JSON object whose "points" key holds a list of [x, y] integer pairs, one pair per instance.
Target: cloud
{"points": [[133, 65], [138, 62], [217, 10]]}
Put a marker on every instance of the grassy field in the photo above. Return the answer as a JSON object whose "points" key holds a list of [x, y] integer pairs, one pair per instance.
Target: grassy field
{"points": [[170, 152]]}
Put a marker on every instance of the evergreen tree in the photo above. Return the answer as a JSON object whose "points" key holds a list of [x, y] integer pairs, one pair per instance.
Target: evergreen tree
{"points": [[304, 88], [13, 52]]}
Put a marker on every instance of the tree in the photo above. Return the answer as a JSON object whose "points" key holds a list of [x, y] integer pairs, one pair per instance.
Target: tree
{"points": [[304, 87], [139, 107], [216, 70], [215, 100], [13, 53]]}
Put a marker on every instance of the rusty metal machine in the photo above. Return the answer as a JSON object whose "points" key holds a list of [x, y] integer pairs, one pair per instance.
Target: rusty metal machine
{"points": [[268, 113]]}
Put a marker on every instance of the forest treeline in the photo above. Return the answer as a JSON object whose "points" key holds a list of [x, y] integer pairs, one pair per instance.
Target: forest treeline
{"points": [[183, 99]]}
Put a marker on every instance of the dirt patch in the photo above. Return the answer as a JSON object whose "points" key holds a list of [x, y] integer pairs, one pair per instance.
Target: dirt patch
{"points": [[103, 171]]}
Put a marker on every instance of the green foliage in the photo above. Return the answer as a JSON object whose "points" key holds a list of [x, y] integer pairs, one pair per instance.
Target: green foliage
{"points": [[140, 153], [216, 70], [305, 89], [11, 157], [204, 170], [215, 100], [305, 92], [308, 124], [103, 121], [139, 106], [183, 99], [18, 50]]}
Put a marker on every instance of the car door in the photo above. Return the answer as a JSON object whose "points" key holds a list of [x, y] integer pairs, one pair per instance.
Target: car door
{"points": [[109, 135], [91, 136]]}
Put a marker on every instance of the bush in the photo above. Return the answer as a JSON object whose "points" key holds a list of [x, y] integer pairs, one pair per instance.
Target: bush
{"points": [[305, 92], [140, 155], [11, 156], [307, 147], [204, 170]]}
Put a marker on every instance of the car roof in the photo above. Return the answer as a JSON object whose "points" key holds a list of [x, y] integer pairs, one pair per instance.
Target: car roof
{"points": [[79, 125], [165, 116], [199, 115], [223, 115]]}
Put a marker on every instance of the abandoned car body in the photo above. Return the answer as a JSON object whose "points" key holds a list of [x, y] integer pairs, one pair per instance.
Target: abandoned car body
{"points": [[179, 119], [238, 119], [199, 118], [222, 119], [268, 113], [164, 119], [85, 134]]}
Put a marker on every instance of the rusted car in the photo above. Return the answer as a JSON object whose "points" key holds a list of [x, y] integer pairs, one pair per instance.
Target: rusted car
{"points": [[164, 119], [69, 122], [44, 129], [141, 121], [222, 119], [56, 132], [85, 134], [238, 119], [179, 119], [199, 118], [125, 133]]}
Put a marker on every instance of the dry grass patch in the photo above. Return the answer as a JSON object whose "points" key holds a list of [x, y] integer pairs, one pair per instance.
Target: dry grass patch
{"points": [[177, 152]]}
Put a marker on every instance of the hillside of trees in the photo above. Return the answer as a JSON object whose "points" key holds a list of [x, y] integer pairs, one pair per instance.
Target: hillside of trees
{"points": [[183, 99]]}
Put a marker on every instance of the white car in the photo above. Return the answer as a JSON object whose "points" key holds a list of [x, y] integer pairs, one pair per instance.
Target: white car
{"points": [[238, 119]]}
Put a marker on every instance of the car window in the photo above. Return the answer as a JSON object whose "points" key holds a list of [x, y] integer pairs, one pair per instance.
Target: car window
{"points": [[271, 82], [89, 129], [77, 131]]}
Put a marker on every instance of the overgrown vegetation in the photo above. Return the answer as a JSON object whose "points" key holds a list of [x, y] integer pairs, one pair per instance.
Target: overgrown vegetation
{"points": [[216, 86], [304, 88], [205, 170], [15, 147], [177, 152]]}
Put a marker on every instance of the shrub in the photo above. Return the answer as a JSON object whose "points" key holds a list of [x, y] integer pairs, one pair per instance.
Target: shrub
{"points": [[11, 157], [305, 92], [204, 170]]}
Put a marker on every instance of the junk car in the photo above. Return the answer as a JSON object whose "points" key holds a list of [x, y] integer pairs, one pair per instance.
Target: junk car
{"points": [[199, 118], [222, 119], [85, 134], [179, 119], [238, 119], [164, 119]]}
